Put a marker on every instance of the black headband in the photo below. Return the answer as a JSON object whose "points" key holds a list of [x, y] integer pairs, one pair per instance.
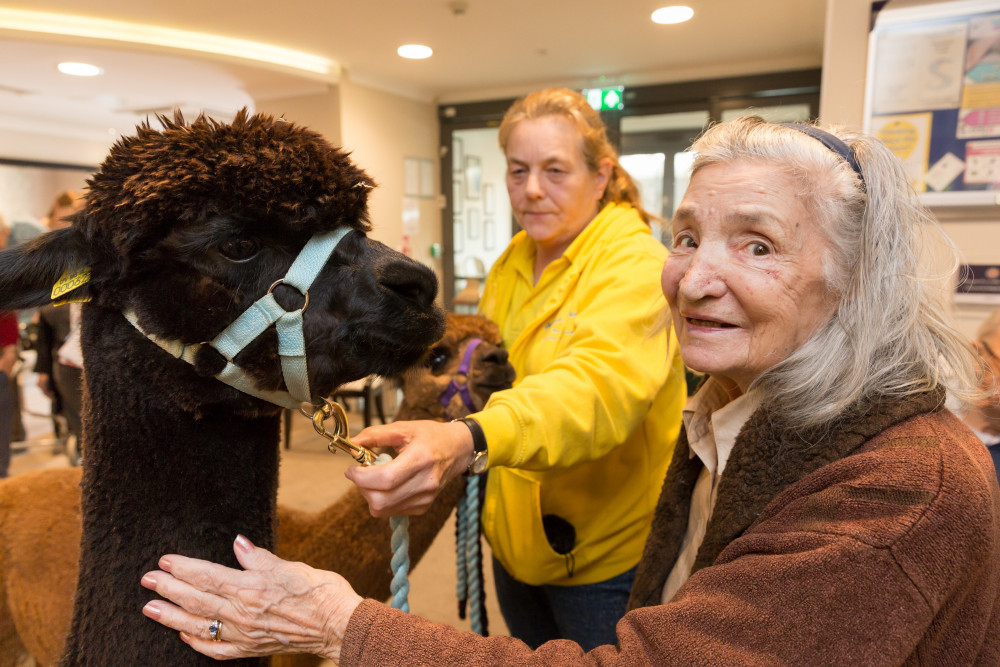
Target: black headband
{"points": [[832, 142]]}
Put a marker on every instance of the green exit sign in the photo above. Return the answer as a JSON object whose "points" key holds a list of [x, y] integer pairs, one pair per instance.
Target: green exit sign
{"points": [[606, 99]]}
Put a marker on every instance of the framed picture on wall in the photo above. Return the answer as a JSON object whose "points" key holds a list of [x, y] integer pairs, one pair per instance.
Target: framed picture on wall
{"points": [[489, 205], [475, 229], [456, 196], [411, 177], [473, 176], [457, 155], [489, 234], [458, 236]]}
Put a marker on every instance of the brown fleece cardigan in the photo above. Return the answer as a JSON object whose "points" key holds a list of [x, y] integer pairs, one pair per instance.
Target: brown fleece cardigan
{"points": [[875, 541]]}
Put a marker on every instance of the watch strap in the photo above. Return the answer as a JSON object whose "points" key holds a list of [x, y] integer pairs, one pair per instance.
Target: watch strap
{"points": [[478, 441]]}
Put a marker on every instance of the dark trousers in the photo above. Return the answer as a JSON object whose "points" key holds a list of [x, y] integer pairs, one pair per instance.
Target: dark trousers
{"points": [[585, 614], [7, 413], [69, 383]]}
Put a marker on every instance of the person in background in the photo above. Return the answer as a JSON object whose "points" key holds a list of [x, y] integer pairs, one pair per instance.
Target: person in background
{"points": [[823, 506], [9, 335], [599, 390], [983, 417], [65, 204], [59, 364]]}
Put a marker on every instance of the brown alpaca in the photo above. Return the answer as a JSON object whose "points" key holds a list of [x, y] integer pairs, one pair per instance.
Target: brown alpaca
{"points": [[40, 516]]}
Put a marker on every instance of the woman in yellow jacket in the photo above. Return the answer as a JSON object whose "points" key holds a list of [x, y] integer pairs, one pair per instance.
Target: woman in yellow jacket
{"points": [[578, 448]]}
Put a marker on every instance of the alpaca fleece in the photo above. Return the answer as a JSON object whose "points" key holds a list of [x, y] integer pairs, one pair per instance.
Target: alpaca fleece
{"points": [[187, 226], [40, 514]]}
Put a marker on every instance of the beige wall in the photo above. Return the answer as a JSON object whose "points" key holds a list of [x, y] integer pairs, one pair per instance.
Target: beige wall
{"points": [[319, 111], [33, 147], [845, 52], [977, 233], [381, 129]]}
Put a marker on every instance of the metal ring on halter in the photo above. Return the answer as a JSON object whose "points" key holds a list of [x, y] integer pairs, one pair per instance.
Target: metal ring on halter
{"points": [[215, 630], [327, 410], [341, 436], [281, 281]]}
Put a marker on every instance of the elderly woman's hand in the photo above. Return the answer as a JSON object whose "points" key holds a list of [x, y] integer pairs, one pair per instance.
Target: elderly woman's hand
{"points": [[272, 606], [430, 455]]}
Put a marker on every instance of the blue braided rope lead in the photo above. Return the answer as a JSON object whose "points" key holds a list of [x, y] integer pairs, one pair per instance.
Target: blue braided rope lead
{"points": [[400, 562], [471, 553], [400, 585], [461, 580]]}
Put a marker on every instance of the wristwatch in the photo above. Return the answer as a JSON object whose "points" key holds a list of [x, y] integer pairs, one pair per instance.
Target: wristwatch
{"points": [[480, 455]]}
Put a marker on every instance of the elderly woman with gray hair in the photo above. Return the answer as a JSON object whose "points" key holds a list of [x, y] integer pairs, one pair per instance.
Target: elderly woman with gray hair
{"points": [[822, 505]]}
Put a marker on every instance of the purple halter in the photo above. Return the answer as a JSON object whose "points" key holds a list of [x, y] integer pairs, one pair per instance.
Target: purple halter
{"points": [[463, 368]]}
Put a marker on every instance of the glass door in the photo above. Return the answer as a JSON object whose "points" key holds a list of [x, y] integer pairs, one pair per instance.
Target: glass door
{"points": [[654, 152], [481, 215]]}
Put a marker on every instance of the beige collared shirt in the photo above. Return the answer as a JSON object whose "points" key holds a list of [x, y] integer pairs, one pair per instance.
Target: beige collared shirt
{"points": [[712, 422]]}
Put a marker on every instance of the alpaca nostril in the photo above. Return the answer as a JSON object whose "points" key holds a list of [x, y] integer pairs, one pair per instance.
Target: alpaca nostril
{"points": [[497, 356], [410, 280]]}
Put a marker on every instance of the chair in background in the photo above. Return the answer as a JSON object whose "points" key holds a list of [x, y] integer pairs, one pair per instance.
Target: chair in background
{"points": [[369, 390], [474, 273]]}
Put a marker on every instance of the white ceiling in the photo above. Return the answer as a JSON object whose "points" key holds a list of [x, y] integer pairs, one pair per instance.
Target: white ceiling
{"points": [[496, 48]]}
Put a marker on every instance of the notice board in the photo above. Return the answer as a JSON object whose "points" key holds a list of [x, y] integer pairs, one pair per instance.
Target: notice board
{"points": [[933, 96]]}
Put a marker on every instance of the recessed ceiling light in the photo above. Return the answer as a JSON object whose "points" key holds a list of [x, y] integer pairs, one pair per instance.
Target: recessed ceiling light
{"points": [[415, 51], [675, 14], [80, 69]]}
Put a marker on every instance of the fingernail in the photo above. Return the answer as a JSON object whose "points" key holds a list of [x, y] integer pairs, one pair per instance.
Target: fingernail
{"points": [[185, 638], [149, 581], [165, 564], [244, 544], [152, 610]]}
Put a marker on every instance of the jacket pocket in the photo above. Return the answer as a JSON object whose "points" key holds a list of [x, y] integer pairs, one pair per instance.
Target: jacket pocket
{"points": [[512, 521]]}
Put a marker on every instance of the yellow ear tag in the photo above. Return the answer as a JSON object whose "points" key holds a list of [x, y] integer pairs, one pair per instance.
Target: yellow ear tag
{"points": [[69, 281]]}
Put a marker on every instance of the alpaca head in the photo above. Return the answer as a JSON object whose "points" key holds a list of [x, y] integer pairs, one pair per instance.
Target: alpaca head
{"points": [[489, 371], [188, 225]]}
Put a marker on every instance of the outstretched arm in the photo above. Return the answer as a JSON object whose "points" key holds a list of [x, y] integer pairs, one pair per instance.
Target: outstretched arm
{"points": [[271, 606]]}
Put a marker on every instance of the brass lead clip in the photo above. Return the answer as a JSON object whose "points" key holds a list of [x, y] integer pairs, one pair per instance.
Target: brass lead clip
{"points": [[340, 438]]}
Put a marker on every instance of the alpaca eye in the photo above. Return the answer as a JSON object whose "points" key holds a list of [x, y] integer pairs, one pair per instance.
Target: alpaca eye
{"points": [[437, 358], [239, 249]]}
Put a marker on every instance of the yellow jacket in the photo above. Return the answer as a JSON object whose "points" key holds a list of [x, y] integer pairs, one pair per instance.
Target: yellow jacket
{"points": [[590, 427]]}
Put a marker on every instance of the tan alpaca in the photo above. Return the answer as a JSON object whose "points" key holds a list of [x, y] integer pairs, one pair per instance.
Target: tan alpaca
{"points": [[40, 516]]}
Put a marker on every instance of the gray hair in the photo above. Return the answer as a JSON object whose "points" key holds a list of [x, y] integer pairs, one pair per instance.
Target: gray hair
{"points": [[890, 334]]}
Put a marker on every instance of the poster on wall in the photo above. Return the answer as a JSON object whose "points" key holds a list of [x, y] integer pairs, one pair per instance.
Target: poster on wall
{"points": [[934, 97], [907, 135], [979, 284]]}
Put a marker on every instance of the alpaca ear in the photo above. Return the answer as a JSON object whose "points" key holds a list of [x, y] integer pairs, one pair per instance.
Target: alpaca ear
{"points": [[52, 267]]}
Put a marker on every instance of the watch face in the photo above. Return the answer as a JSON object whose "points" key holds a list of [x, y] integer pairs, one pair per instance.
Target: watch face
{"points": [[478, 463]]}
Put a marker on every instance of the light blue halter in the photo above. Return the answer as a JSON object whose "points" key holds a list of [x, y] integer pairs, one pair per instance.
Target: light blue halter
{"points": [[257, 318], [264, 312]]}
